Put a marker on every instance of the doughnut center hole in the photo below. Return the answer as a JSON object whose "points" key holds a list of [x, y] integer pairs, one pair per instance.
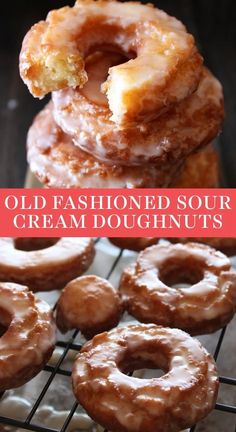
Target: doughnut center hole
{"points": [[5, 321], [147, 373], [181, 273], [144, 365], [97, 65], [33, 244]]}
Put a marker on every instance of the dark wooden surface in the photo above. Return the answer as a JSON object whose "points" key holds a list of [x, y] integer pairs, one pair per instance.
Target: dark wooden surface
{"points": [[213, 22]]}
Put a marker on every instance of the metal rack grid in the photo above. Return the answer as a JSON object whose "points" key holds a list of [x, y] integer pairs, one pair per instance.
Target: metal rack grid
{"points": [[28, 422]]}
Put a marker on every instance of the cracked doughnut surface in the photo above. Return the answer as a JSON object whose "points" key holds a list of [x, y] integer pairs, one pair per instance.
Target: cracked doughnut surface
{"points": [[49, 268], [58, 163], [30, 338], [150, 293], [182, 396], [165, 70]]}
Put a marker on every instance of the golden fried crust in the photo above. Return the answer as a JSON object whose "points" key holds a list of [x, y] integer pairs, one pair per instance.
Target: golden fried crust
{"points": [[45, 269], [185, 394], [90, 304], [204, 307], [30, 338], [225, 245], [133, 243], [186, 127], [200, 170], [58, 163], [166, 69]]}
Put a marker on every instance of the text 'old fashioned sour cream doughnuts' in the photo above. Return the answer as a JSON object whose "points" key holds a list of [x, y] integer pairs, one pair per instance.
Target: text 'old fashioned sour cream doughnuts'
{"points": [[150, 293], [49, 268], [165, 69], [30, 336], [57, 162], [184, 128], [183, 395]]}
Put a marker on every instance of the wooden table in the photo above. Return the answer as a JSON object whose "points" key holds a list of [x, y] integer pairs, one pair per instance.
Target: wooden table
{"points": [[213, 22]]}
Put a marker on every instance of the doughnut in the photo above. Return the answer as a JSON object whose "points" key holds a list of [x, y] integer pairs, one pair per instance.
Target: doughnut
{"points": [[200, 170], [57, 163], [164, 68], [185, 394], [46, 269], [90, 304], [172, 136], [30, 336], [133, 243], [224, 244], [154, 288]]}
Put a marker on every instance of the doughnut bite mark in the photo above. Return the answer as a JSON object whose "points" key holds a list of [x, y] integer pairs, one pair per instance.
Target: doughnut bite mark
{"points": [[30, 335], [90, 304], [169, 139], [200, 170], [154, 288], [185, 393], [58, 163], [48, 268], [166, 69]]}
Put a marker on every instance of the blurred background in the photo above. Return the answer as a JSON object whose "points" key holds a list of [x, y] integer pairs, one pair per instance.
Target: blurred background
{"points": [[213, 23]]}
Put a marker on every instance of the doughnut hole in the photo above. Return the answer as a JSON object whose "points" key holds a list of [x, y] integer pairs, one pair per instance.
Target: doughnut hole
{"points": [[34, 243], [97, 65], [145, 363], [179, 273], [5, 321]]}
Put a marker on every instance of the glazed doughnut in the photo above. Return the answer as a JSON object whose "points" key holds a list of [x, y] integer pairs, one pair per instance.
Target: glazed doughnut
{"points": [[174, 135], [133, 243], [182, 396], [200, 170], [225, 245], [45, 269], [149, 292], [90, 304], [58, 163], [165, 70], [30, 335]]}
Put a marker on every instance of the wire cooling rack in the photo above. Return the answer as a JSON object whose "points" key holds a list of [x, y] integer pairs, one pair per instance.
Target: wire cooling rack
{"points": [[114, 260]]}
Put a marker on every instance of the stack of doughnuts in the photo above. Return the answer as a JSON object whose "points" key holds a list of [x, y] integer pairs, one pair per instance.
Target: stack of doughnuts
{"points": [[132, 104]]}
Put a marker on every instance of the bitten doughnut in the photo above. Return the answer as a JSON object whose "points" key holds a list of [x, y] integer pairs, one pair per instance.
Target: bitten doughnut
{"points": [[90, 304], [200, 170], [57, 163], [45, 269], [182, 396], [186, 127], [149, 292], [166, 67], [30, 336]]}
